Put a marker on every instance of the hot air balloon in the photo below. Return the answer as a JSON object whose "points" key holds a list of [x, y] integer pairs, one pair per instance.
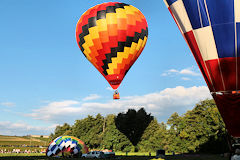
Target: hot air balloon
{"points": [[66, 145], [211, 28], [112, 36]]}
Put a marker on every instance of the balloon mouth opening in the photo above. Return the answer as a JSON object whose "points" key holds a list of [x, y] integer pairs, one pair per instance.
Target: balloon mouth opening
{"points": [[114, 80], [115, 86]]}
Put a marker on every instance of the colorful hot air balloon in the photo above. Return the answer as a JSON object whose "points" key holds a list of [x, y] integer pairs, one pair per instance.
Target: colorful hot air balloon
{"points": [[112, 36], [212, 30], [66, 144]]}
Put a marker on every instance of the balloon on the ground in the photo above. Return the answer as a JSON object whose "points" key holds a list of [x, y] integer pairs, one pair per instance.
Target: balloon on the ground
{"points": [[66, 144], [212, 30], [112, 36]]}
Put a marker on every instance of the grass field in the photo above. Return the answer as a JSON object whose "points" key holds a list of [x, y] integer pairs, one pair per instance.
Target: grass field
{"points": [[24, 143], [15, 140], [24, 140], [169, 157], [135, 153]]}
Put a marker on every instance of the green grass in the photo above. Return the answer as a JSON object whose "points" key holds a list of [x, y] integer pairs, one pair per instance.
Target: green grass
{"points": [[35, 156], [20, 154], [23, 143], [20, 143], [22, 140], [16, 140], [135, 153]]}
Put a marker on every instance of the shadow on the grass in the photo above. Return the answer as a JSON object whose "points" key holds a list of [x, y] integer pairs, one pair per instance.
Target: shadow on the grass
{"points": [[176, 157], [61, 158]]}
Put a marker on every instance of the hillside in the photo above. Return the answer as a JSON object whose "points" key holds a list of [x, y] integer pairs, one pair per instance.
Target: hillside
{"points": [[23, 140]]}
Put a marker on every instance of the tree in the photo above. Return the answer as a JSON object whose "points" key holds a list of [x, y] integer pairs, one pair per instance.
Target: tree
{"points": [[153, 137], [89, 130], [133, 124], [174, 142], [200, 129], [113, 139], [65, 129]]}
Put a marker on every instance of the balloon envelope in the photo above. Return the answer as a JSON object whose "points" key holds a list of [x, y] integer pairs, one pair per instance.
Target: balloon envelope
{"points": [[68, 144], [212, 30], [112, 36]]}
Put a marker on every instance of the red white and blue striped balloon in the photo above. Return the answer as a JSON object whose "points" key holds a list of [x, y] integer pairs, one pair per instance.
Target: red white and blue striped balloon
{"points": [[212, 30]]}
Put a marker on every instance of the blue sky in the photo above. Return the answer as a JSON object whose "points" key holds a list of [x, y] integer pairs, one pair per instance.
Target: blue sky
{"points": [[46, 80]]}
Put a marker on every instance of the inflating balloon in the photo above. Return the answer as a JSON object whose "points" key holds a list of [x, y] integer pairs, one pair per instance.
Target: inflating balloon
{"points": [[66, 144], [212, 30], [112, 36]]}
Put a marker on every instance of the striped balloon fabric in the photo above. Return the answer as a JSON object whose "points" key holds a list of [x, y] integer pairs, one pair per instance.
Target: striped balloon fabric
{"points": [[112, 36], [67, 144], [212, 30]]}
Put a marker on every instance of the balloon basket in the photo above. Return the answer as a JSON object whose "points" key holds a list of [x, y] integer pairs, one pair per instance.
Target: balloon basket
{"points": [[116, 95], [233, 144]]}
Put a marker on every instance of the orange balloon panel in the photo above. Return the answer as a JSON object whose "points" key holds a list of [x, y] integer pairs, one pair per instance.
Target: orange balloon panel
{"points": [[112, 36]]}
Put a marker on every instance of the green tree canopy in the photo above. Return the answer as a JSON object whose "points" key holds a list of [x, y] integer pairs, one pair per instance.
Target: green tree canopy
{"points": [[113, 139], [89, 130], [198, 130], [61, 130], [133, 124], [200, 126]]}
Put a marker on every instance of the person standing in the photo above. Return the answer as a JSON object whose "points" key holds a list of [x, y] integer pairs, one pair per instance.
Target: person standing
{"points": [[236, 156]]}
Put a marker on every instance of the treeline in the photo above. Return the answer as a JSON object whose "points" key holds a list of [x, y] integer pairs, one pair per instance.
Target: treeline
{"points": [[198, 130]]}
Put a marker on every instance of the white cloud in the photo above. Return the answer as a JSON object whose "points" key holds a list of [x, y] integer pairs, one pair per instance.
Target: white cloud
{"points": [[173, 71], [55, 111], [189, 71], [164, 74], [7, 104], [185, 71], [63, 103], [91, 97], [20, 128], [109, 88], [161, 104], [185, 78]]}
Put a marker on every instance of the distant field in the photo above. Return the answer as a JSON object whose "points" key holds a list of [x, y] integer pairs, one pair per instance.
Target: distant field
{"points": [[16, 140]]}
